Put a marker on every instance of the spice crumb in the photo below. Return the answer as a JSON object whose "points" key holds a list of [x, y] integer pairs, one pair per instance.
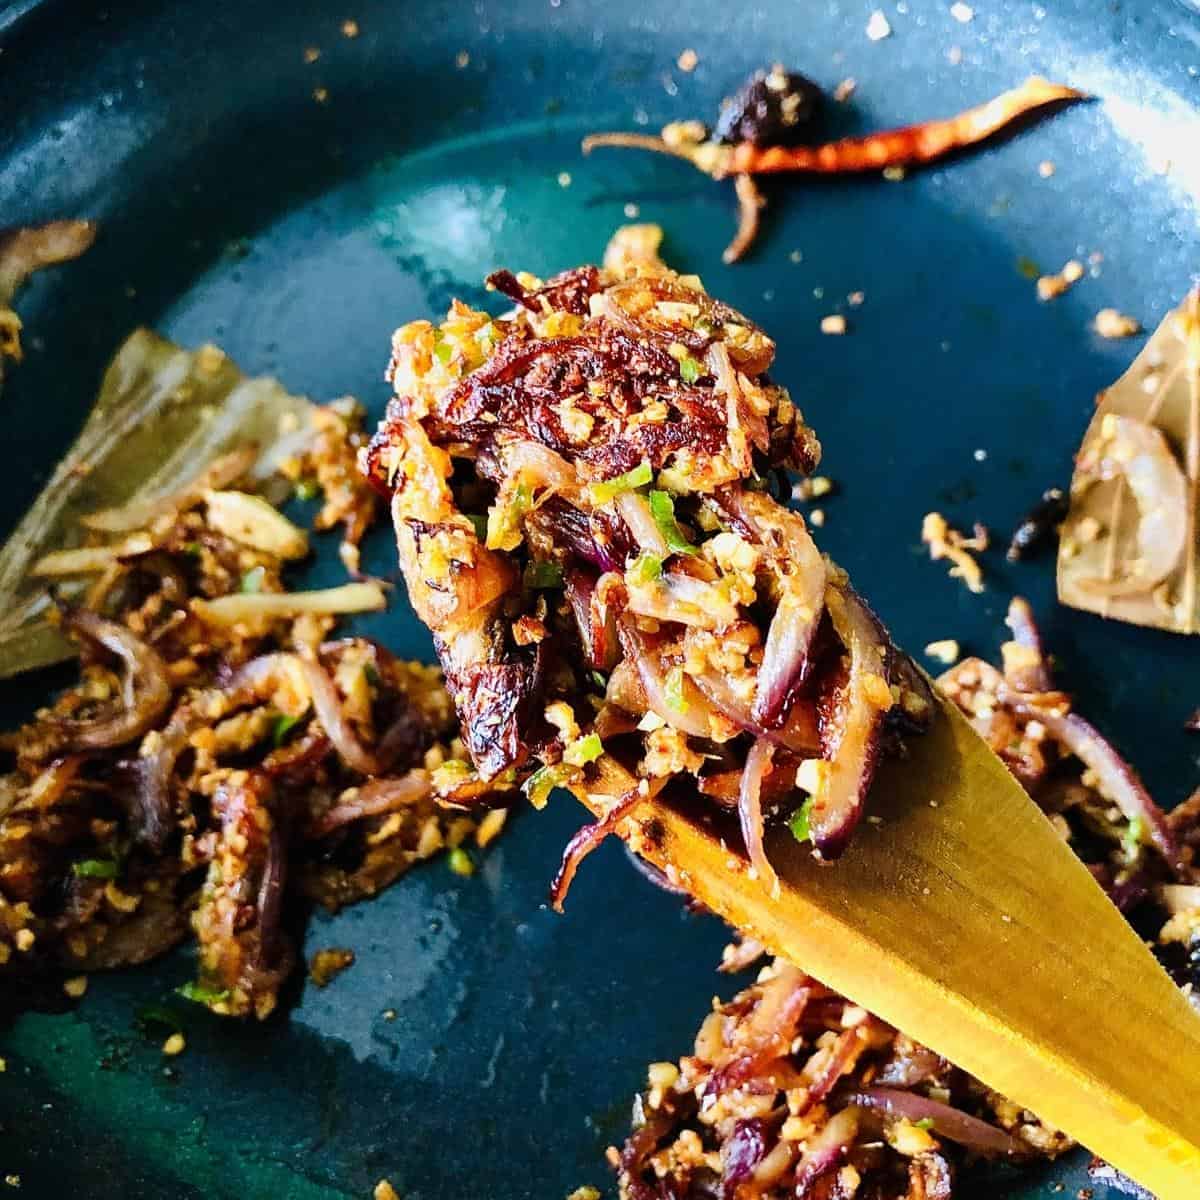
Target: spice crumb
{"points": [[385, 1191], [320, 95], [1046, 168], [855, 299], [946, 651], [13, 1181], [389, 1014], [963, 13], [878, 27], [1110, 323], [350, 28], [1051, 286], [845, 89], [894, 174], [584, 1193], [817, 517], [75, 986], [311, 54], [946, 542], [687, 60], [462, 60], [491, 825], [835, 324], [327, 964], [174, 1045]]}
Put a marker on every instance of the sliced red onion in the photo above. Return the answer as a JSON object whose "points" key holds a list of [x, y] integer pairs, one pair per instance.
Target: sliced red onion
{"points": [[798, 732], [802, 575], [745, 1148], [853, 744], [1032, 674], [1140, 454], [690, 717], [949, 1122], [635, 512], [373, 799], [530, 462], [327, 705], [1118, 781], [584, 842], [145, 692], [684, 599], [826, 1150], [597, 626], [768, 1032], [270, 899], [750, 813], [840, 1060]]}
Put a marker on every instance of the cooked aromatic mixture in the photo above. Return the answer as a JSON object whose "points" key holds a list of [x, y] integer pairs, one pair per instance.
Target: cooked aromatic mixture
{"points": [[224, 757], [583, 497], [795, 1092]]}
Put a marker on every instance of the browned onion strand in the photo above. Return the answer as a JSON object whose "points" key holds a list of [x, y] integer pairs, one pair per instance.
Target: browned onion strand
{"points": [[854, 748], [750, 814], [1117, 779], [145, 690], [584, 841], [951, 1123], [373, 799]]}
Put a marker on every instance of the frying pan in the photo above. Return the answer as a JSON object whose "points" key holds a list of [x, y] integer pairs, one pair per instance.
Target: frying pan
{"points": [[295, 212]]}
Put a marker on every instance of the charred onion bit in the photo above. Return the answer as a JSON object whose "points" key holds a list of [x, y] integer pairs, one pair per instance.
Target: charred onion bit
{"points": [[577, 489], [755, 137]]}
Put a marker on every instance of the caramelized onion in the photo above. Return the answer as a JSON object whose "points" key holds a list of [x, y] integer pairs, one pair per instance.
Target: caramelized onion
{"points": [[145, 692], [750, 813], [1116, 779], [689, 717], [585, 841], [373, 799], [949, 1122], [635, 512], [853, 742]]}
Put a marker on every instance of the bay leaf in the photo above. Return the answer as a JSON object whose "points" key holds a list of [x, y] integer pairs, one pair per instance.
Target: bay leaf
{"points": [[1098, 552], [162, 416]]}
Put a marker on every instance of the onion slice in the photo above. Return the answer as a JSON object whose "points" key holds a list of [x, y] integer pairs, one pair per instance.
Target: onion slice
{"points": [[689, 717], [949, 1122], [1025, 665], [372, 800], [145, 692], [584, 842], [750, 814], [853, 744], [1118, 781], [635, 512]]}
